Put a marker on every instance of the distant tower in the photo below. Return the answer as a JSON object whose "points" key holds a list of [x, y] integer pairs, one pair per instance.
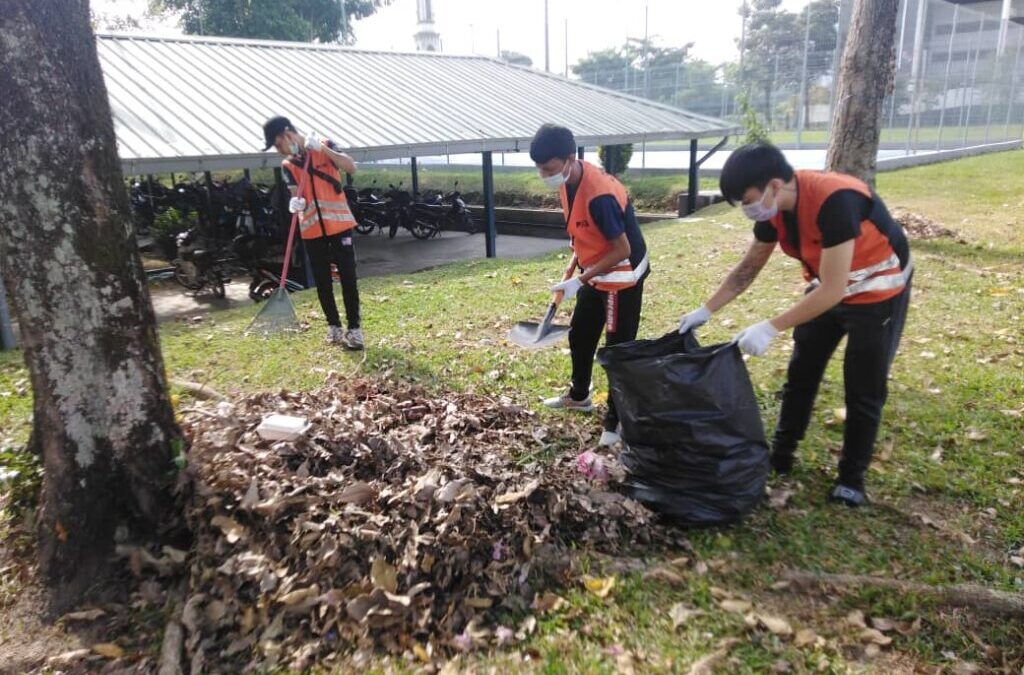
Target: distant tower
{"points": [[427, 37]]}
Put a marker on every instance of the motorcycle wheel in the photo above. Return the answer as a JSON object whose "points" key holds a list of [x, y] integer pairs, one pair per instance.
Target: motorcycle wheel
{"points": [[365, 226], [424, 229], [262, 291]]}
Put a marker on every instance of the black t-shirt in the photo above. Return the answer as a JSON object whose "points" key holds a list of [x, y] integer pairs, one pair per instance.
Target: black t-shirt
{"points": [[839, 220]]}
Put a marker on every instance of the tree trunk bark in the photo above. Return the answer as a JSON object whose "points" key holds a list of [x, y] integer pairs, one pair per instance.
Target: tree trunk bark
{"points": [[865, 77], [103, 419]]}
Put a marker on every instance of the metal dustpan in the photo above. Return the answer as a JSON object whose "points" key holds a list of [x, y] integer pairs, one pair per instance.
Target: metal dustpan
{"points": [[278, 314], [532, 335]]}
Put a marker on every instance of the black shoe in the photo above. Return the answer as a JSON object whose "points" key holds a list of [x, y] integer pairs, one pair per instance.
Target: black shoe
{"points": [[852, 497], [783, 461]]}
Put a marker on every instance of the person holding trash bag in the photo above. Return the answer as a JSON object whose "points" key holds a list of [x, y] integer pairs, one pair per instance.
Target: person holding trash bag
{"points": [[857, 261], [608, 250], [325, 222]]}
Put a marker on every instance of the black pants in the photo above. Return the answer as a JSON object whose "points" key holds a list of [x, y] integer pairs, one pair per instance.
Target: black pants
{"points": [[337, 249], [594, 310], [873, 335]]}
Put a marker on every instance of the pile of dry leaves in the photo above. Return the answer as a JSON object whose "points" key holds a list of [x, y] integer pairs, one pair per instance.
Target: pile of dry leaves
{"points": [[399, 522], [922, 227]]}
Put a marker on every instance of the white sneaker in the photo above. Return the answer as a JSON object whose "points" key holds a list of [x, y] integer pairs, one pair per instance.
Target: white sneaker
{"points": [[567, 402], [335, 335], [609, 438], [353, 339]]}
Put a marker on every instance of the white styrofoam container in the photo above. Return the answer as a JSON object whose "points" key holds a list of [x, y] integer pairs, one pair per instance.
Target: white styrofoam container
{"points": [[282, 427]]}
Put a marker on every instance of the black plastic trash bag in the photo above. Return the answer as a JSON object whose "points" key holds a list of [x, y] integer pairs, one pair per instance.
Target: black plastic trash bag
{"points": [[695, 448]]}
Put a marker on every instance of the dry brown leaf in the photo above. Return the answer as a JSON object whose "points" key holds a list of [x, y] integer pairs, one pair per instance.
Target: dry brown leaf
{"points": [[805, 637], [108, 650], [513, 497], [300, 596], [680, 614], [85, 615], [356, 493], [548, 602], [233, 532], [665, 575], [735, 606], [884, 625], [871, 635], [384, 575], [599, 586], [856, 619]]}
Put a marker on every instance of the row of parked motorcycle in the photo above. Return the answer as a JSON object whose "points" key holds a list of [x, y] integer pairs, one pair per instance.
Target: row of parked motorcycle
{"points": [[210, 231]]}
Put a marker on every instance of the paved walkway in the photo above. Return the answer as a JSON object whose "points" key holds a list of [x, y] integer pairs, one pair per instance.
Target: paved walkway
{"points": [[377, 256]]}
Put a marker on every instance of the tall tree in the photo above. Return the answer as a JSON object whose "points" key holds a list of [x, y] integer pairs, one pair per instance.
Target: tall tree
{"points": [[103, 420], [290, 20], [665, 74], [773, 52], [865, 78]]}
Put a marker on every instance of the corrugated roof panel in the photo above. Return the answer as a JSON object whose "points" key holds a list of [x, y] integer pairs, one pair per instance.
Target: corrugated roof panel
{"points": [[186, 104]]}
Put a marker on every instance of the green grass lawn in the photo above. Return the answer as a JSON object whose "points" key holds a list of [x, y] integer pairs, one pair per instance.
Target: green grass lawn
{"points": [[951, 451]]}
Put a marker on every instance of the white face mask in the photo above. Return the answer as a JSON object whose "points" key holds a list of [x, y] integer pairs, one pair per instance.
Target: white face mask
{"points": [[293, 148], [758, 212], [559, 179]]}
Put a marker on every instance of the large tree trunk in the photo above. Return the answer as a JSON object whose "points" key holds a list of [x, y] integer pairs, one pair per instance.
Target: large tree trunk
{"points": [[865, 77], [103, 419]]}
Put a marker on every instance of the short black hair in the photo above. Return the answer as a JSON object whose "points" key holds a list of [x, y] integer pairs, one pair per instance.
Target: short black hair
{"points": [[274, 127], [752, 166], [552, 141]]}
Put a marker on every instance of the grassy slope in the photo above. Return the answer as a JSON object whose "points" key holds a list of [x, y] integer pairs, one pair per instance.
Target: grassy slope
{"points": [[950, 449]]}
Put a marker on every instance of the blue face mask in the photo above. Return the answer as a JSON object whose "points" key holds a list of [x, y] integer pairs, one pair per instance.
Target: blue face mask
{"points": [[758, 212], [559, 179]]}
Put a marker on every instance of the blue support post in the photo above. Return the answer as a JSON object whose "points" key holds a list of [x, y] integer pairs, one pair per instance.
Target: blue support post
{"points": [[491, 227], [415, 177], [694, 183]]}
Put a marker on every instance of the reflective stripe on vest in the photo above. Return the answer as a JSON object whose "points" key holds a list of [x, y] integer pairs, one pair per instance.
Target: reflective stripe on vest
{"points": [[333, 212], [623, 275], [334, 208], [877, 278]]}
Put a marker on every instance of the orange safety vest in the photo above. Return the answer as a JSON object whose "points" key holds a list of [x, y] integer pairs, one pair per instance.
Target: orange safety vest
{"points": [[324, 189], [875, 273], [587, 240]]}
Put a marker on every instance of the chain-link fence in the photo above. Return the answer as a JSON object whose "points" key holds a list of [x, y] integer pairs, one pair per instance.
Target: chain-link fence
{"points": [[957, 81]]}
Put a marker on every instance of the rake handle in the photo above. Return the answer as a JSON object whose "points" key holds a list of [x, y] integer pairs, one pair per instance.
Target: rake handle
{"points": [[295, 222]]}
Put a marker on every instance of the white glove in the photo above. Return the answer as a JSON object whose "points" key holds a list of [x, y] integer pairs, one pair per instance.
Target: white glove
{"points": [[313, 141], [296, 205], [569, 288], [694, 319], [755, 339]]}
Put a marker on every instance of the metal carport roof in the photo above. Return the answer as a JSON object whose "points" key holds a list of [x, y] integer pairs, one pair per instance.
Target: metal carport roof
{"points": [[198, 104]]}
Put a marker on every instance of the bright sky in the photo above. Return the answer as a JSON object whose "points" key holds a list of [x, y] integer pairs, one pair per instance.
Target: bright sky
{"points": [[471, 26]]}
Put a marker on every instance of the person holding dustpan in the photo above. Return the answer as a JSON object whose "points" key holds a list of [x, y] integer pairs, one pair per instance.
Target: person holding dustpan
{"points": [[325, 220], [610, 255]]}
